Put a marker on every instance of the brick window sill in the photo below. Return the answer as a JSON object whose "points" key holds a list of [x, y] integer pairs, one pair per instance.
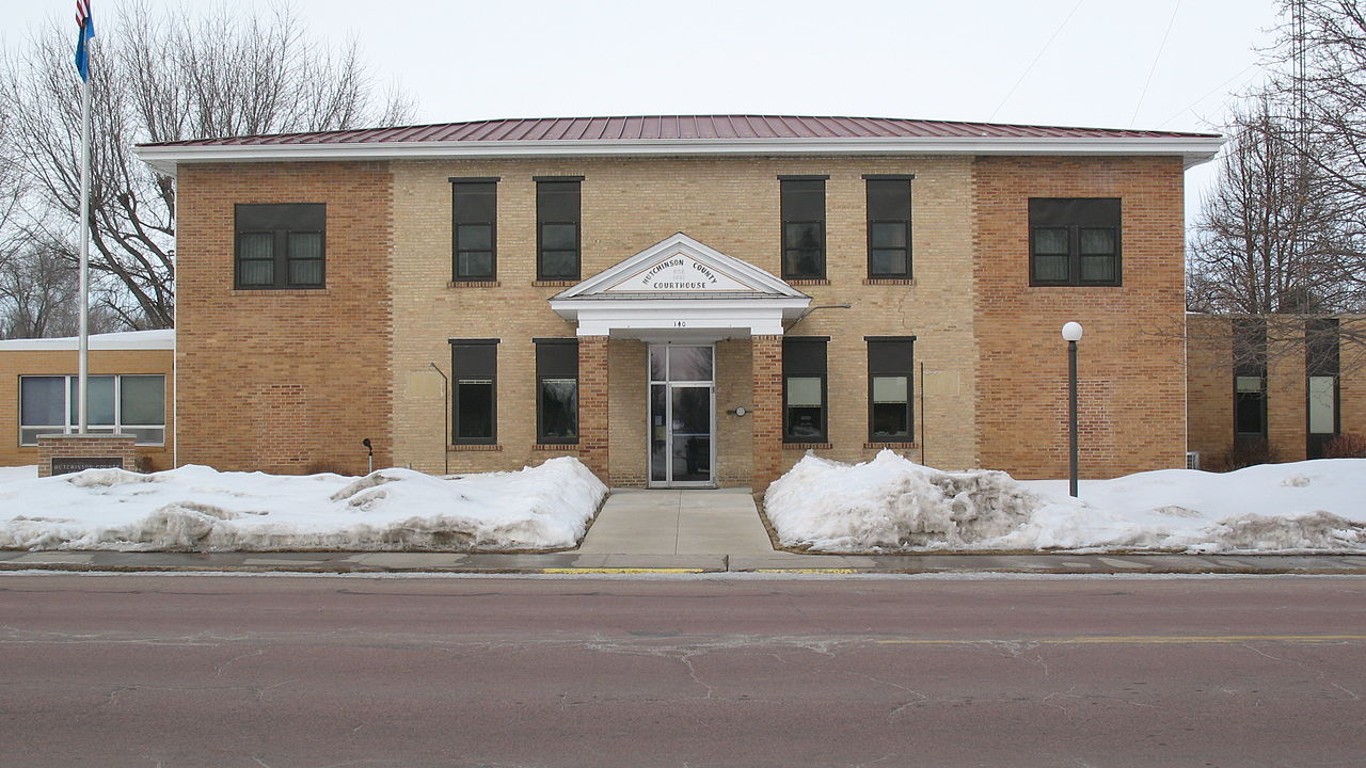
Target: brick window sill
{"points": [[474, 284], [797, 282], [893, 446], [280, 292], [460, 448], [807, 446], [554, 283], [570, 447], [889, 281]]}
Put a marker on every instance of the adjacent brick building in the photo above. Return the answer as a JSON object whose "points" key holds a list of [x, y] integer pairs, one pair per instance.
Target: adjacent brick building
{"points": [[1273, 388], [680, 301], [130, 386]]}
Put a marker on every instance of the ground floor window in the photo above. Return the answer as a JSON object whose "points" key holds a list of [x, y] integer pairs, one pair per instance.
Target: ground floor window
{"points": [[127, 404], [557, 386], [474, 393], [890, 383], [804, 389]]}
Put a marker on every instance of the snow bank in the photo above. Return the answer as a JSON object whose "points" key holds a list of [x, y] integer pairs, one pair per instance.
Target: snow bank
{"points": [[198, 508], [891, 504]]}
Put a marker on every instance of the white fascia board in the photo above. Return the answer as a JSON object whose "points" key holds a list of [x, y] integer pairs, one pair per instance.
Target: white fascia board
{"points": [[1195, 149], [756, 317]]}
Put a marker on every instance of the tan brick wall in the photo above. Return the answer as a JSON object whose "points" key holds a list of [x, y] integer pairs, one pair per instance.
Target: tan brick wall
{"points": [[734, 434], [731, 204], [1287, 391], [1209, 387], [14, 364], [629, 450], [1132, 377], [286, 381]]}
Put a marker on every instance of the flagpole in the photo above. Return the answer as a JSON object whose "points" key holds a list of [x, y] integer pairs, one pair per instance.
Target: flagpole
{"points": [[83, 364]]}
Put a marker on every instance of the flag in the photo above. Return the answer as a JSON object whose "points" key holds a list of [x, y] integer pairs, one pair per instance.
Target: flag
{"points": [[87, 25]]}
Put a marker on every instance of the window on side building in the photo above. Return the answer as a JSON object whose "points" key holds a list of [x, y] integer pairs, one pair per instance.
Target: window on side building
{"points": [[474, 229], [1249, 378], [889, 227], [557, 387], [558, 227], [1074, 241], [891, 415], [474, 391], [1323, 364], [804, 390], [803, 214], [280, 245], [130, 404]]}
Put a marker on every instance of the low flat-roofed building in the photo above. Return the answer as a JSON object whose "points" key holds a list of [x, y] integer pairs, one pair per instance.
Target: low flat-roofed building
{"points": [[130, 379]]}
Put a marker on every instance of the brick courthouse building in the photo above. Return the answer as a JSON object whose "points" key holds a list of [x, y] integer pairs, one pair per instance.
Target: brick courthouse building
{"points": [[680, 301]]}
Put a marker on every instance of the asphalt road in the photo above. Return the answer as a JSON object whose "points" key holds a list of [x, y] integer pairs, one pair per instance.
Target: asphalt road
{"points": [[725, 671]]}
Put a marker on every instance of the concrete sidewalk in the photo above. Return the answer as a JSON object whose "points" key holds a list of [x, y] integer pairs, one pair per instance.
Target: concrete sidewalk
{"points": [[700, 531]]}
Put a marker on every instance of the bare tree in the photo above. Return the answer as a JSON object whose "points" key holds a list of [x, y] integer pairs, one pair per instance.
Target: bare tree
{"points": [[1269, 238], [164, 78]]}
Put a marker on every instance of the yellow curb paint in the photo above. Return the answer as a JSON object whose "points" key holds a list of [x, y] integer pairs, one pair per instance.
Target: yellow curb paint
{"points": [[571, 571], [1141, 640], [805, 570]]}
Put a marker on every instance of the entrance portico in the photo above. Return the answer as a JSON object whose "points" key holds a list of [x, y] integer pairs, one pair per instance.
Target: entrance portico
{"points": [[680, 298]]}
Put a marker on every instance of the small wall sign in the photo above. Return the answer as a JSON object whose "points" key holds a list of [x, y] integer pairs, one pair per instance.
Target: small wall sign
{"points": [[67, 465]]}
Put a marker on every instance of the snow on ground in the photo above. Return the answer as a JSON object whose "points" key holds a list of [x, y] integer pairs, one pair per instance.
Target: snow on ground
{"points": [[890, 504], [201, 509]]}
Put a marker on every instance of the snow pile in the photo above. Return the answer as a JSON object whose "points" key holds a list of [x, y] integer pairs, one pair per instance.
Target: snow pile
{"points": [[891, 504], [200, 509]]}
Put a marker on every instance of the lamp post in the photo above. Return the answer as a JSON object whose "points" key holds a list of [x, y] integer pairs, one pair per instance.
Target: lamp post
{"points": [[1072, 333]]}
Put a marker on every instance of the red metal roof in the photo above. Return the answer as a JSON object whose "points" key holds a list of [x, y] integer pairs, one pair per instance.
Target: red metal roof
{"points": [[681, 127]]}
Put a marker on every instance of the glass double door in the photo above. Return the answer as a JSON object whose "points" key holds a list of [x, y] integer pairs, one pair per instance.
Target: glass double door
{"points": [[682, 416]]}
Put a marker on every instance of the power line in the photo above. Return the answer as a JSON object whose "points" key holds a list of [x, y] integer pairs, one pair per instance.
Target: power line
{"points": [[1030, 68], [1171, 23]]}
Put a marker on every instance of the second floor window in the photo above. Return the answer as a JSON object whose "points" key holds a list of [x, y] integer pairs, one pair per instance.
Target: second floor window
{"points": [[558, 222], [280, 245], [889, 227], [1074, 241], [474, 217], [803, 214]]}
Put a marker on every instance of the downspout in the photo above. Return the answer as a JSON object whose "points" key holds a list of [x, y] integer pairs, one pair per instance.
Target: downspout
{"points": [[446, 420]]}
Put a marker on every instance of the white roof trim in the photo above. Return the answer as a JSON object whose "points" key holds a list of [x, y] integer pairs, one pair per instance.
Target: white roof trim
{"points": [[1194, 149], [125, 341]]}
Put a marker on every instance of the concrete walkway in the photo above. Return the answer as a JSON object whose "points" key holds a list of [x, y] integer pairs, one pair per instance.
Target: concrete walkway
{"points": [[670, 522]]}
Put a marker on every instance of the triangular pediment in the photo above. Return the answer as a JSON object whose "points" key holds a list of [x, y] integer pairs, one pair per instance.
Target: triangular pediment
{"points": [[677, 266]]}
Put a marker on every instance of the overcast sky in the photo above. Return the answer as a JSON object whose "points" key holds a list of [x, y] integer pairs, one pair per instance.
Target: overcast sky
{"points": [[1158, 64]]}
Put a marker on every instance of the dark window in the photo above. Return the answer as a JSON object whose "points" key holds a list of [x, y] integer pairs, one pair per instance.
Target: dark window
{"points": [[891, 416], [557, 228], [280, 245], [804, 390], [474, 217], [803, 213], [474, 391], [1323, 364], [889, 227], [1249, 377], [1074, 241], [557, 385]]}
